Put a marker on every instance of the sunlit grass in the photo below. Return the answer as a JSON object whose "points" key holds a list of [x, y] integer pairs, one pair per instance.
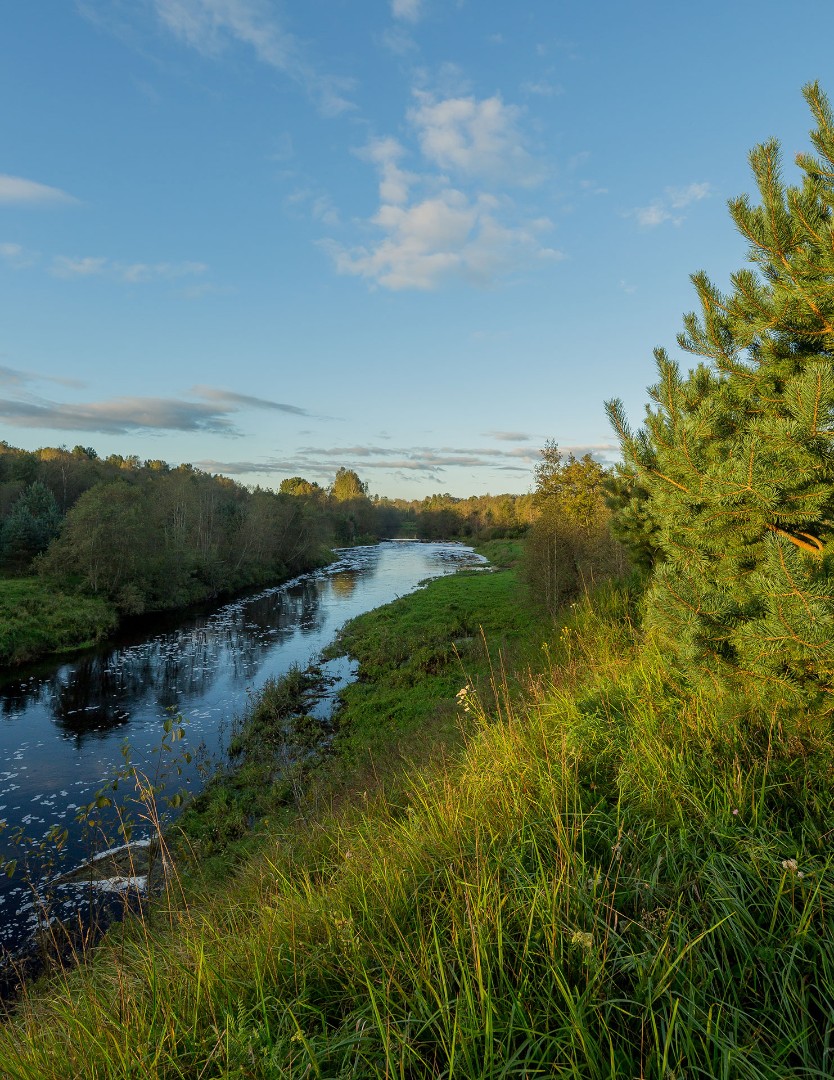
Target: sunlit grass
{"points": [[607, 879]]}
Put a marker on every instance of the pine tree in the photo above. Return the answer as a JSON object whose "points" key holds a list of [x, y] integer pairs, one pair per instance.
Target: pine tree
{"points": [[33, 522], [736, 458]]}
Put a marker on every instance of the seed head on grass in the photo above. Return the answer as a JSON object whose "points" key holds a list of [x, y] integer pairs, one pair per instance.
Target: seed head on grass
{"points": [[581, 937]]}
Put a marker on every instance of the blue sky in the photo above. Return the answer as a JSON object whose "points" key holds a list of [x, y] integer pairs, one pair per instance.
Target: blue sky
{"points": [[412, 237]]}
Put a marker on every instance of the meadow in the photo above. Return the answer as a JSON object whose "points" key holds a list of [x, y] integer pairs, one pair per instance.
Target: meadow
{"points": [[529, 853]]}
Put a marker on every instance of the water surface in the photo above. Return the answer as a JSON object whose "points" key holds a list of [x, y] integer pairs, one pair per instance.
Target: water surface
{"points": [[63, 726]]}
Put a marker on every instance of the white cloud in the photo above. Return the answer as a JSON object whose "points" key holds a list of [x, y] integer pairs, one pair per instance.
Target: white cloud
{"points": [[394, 182], [16, 256], [447, 236], [15, 190], [210, 25], [408, 10], [430, 230], [673, 199], [680, 197], [655, 214], [543, 88], [65, 266], [476, 138]]}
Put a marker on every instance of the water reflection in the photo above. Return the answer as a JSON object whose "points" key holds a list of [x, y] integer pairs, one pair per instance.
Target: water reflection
{"points": [[97, 695], [344, 584], [65, 724]]}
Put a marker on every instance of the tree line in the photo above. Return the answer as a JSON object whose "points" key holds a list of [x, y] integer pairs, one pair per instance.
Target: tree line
{"points": [[147, 536]]}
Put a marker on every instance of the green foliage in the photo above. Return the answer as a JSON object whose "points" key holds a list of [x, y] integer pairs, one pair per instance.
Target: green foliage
{"points": [[610, 880], [347, 485], [415, 653], [478, 518], [297, 485], [36, 620], [32, 523], [570, 547], [170, 538], [732, 476]]}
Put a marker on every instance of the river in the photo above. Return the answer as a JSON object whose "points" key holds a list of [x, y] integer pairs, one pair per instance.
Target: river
{"points": [[66, 727]]}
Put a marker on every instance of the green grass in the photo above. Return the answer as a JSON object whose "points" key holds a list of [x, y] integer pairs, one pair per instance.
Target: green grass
{"points": [[610, 877], [505, 553], [416, 653], [36, 620]]}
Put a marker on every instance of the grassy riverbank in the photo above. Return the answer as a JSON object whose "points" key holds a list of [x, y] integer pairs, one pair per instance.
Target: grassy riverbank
{"points": [[36, 620], [597, 874]]}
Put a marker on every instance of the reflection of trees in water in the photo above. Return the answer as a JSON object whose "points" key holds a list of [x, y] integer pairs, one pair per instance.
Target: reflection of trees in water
{"points": [[16, 696], [344, 584], [95, 696]]}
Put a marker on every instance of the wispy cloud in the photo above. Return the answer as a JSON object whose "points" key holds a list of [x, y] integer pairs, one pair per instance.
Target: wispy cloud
{"points": [[419, 462], [408, 10], [318, 204], [508, 436], [123, 415], [118, 416], [14, 377], [397, 40], [229, 397], [15, 190], [66, 266], [211, 26], [543, 88], [669, 206], [18, 257]]}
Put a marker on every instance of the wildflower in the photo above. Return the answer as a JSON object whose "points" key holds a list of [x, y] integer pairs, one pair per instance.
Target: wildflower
{"points": [[789, 864], [800, 875], [464, 696], [579, 937], [735, 811]]}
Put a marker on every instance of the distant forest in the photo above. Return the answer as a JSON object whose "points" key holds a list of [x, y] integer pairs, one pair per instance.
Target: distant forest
{"points": [[147, 536]]}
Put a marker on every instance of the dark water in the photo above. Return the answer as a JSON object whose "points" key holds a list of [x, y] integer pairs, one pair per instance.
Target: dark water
{"points": [[63, 727]]}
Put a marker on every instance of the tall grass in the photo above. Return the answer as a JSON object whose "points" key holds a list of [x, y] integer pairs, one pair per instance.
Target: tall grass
{"points": [[613, 878]]}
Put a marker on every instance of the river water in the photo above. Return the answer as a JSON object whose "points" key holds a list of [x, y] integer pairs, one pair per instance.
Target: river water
{"points": [[65, 727]]}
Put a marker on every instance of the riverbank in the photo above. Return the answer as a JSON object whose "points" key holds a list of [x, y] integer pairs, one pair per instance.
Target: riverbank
{"points": [[599, 873], [38, 619], [413, 656]]}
